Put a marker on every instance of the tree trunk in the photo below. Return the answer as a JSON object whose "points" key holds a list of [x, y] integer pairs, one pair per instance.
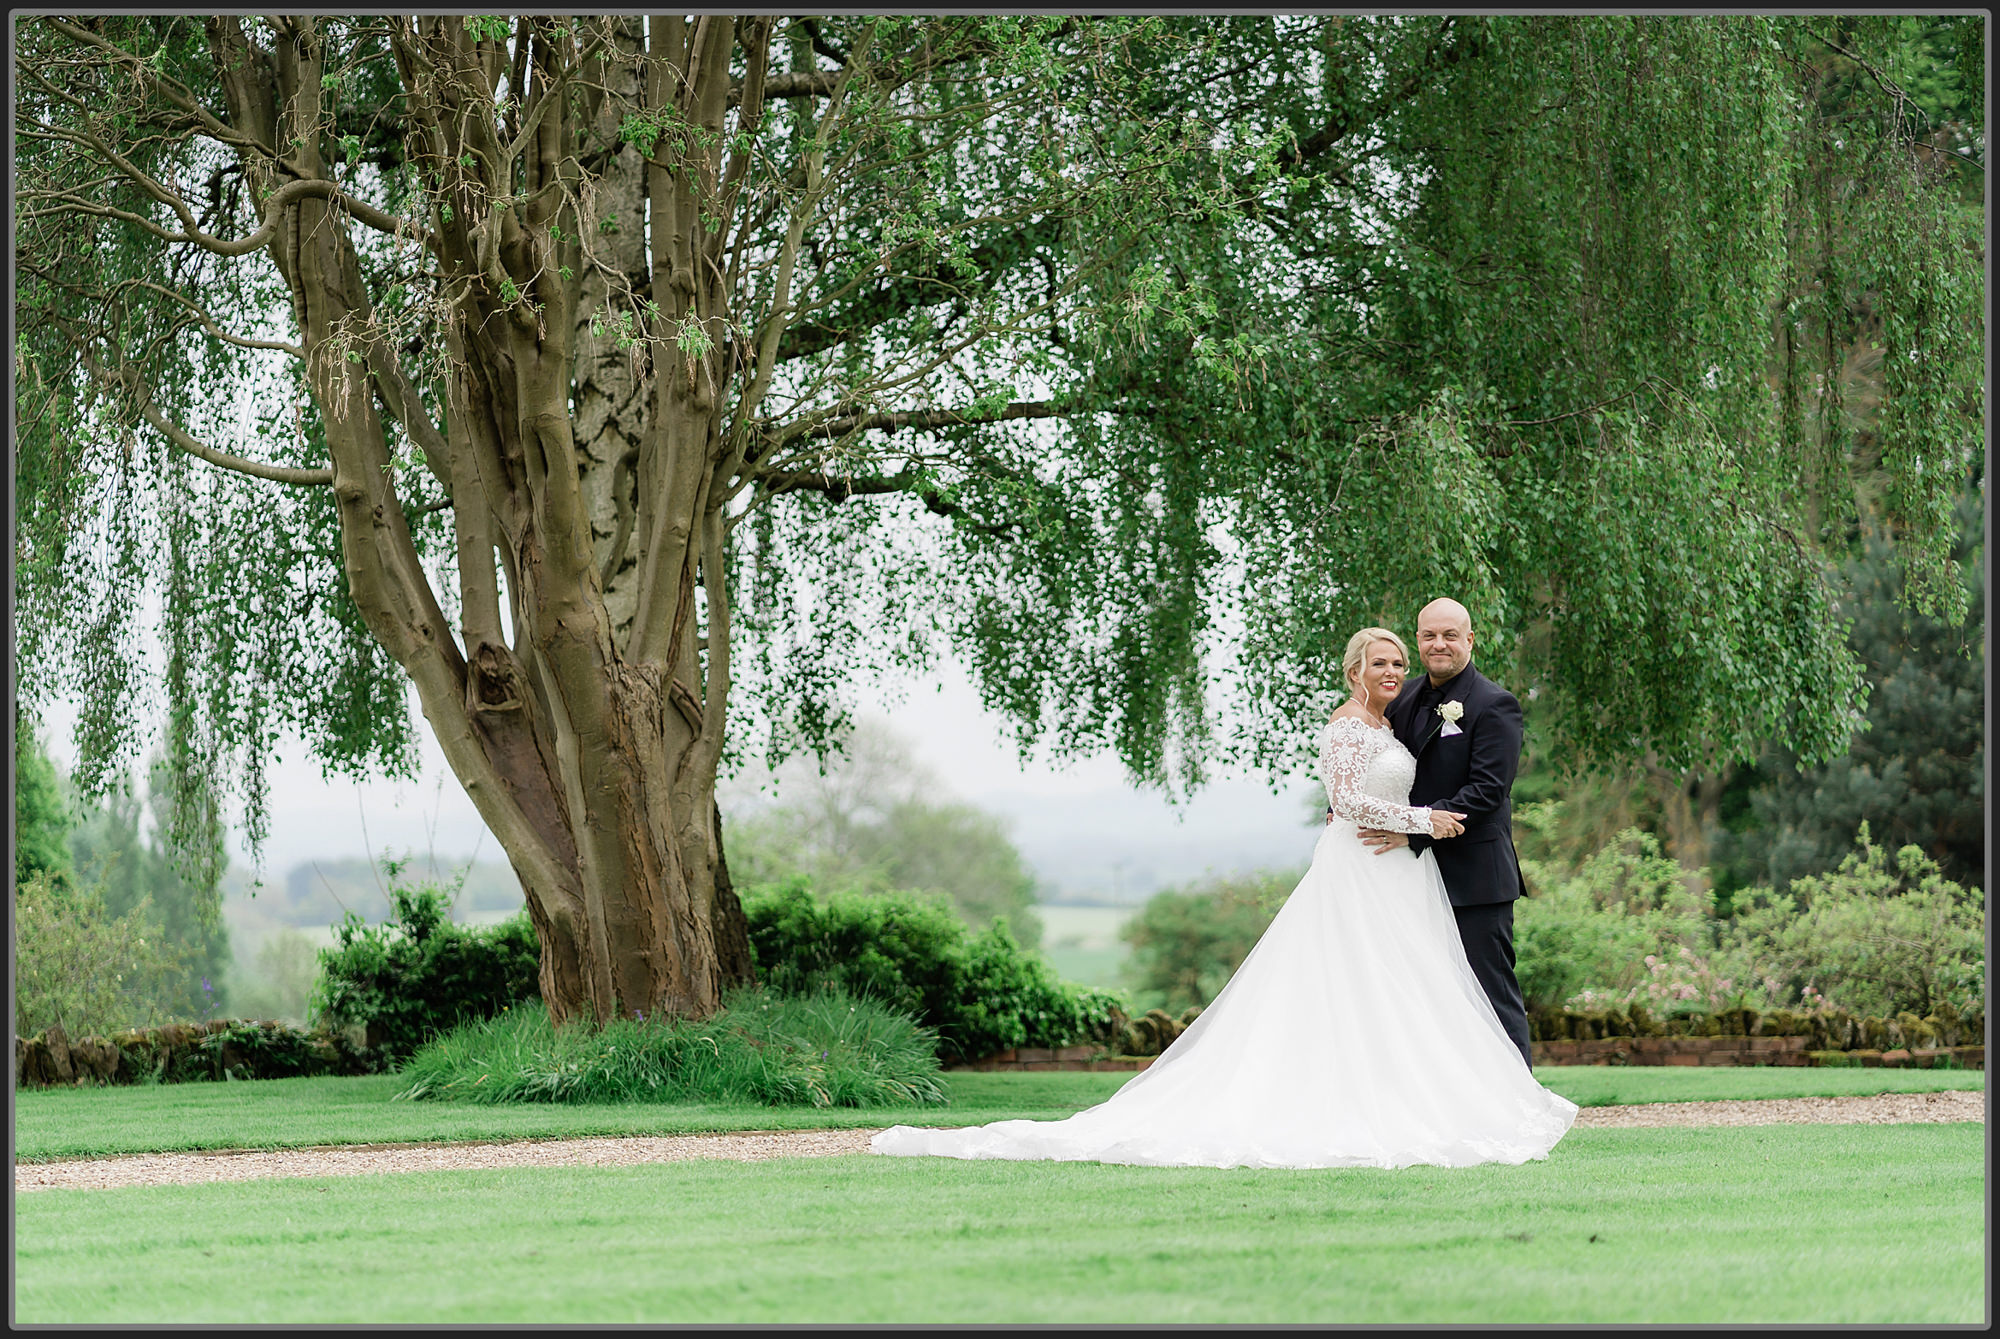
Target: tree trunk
{"points": [[611, 390], [585, 724], [1690, 809]]}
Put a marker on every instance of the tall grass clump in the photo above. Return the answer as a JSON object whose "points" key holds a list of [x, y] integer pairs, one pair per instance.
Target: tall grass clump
{"points": [[826, 1049]]}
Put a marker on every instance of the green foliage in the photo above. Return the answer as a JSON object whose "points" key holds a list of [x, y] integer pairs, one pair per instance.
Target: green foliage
{"points": [[78, 965], [1915, 769], [1509, 291], [1187, 942], [246, 1050], [828, 1049], [420, 975], [1878, 936], [488, 28], [1626, 924], [981, 993], [1009, 996], [41, 819], [249, 1050], [219, 1050]]}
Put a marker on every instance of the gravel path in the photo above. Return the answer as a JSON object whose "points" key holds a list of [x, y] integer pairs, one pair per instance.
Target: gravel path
{"points": [[184, 1169], [1878, 1109], [153, 1169]]}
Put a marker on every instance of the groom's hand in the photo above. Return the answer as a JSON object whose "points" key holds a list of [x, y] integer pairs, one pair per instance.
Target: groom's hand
{"points": [[1379, 841]]}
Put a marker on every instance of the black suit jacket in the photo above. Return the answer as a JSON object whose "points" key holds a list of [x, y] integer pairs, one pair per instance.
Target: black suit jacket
{"points": [[1472, 773]]}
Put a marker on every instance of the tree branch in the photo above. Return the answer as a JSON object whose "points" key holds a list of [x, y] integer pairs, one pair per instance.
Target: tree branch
{"points": [[274, 205], [917, 288], [208, 323], [172, 90], [919, 420], [1340, 127], [180, 437], [908, 481], [811, 84], [889, 74]]}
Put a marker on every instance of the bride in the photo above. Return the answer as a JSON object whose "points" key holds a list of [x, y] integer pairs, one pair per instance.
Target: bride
{"points": [[1354, 1035]]}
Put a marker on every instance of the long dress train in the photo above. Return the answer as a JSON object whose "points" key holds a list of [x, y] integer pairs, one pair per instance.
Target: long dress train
{"points": [[1354, 1034]]}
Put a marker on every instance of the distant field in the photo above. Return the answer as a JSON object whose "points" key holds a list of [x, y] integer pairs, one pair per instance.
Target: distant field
{"points": [[1083, 927], [1082, 943], [1102, 967]]}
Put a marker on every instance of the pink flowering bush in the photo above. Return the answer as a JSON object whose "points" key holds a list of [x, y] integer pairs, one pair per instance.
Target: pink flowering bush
{"points": [[1684, 982], [1591, 939]]}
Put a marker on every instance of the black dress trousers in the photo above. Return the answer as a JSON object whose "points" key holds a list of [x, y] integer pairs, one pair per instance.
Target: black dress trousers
{"points": [[1487, 929]]}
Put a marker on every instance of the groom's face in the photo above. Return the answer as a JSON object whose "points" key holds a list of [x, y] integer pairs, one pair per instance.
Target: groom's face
{"points": [[1444, 643]]}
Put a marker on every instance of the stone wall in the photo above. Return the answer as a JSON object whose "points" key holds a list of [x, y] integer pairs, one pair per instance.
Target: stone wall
{"points": [[183, 1052], [1565, 1037], [1745, 1051], [1091, 1058]]}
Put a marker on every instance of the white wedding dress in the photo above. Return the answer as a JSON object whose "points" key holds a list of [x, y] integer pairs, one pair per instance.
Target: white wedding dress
{"points": [[1354, 1035]]}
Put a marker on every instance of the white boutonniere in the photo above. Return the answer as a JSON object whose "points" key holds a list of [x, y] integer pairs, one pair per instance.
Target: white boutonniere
{"points": [[1452, 713]]}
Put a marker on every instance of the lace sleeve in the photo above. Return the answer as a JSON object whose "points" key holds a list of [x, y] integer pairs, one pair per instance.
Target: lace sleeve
{"points": [[1344, 755]]}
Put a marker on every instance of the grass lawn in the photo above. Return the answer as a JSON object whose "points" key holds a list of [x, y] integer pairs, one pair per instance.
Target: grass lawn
{"points": [[1802, 1224], [293, 1113]]}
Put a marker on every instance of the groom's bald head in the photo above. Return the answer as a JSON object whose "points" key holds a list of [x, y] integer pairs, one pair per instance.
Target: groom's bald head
{"points": [[1444, 639]]}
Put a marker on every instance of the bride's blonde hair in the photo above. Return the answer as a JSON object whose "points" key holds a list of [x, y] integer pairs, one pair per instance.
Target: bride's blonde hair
{"points": [[1357, 647]]}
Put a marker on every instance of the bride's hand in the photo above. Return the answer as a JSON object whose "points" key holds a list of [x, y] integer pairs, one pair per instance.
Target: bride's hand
{"points": [[1444, 823]]}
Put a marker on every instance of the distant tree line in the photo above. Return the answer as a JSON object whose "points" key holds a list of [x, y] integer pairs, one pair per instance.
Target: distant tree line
{"points": [[111, 929]]}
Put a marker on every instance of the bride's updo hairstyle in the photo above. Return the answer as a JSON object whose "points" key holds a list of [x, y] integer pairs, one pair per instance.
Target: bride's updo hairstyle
{"points": [[1357, 649]]}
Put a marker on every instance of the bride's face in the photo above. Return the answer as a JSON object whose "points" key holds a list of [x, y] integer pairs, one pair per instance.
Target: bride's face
{"points": [[1381, 675]]}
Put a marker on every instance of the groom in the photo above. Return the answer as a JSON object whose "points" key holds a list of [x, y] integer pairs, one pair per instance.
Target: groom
{"points": [[1465, 731]]}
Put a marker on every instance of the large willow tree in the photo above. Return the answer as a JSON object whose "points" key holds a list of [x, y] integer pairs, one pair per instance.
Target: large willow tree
{"points": [[629, 386]]}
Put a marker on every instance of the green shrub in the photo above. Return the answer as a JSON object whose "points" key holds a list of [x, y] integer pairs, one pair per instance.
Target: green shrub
{"points": [[42, 821], [824, 1050], [1624, 928], [981, 993], [79, 967], [1011, 997], [1878, 936], [1187, 942], [420, 975], [247, 1050]]}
